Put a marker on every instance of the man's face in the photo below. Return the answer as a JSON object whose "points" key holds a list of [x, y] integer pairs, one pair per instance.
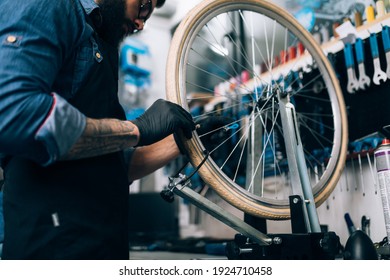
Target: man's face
{"points": [[120, 18]]}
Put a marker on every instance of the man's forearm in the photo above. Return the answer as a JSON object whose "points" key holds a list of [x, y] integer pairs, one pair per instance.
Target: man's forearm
{"points": [[103, 136], [148, 159]]}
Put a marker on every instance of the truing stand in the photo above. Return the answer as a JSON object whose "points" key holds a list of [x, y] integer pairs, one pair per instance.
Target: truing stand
{"points": [[306, 240], [253, 244]]}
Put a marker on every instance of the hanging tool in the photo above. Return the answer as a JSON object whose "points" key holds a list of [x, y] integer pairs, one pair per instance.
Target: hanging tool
{"points": [[334, 27], [231, 127], [300, 52], [366, 225], [372, 173], [297, 78], [276, 61], [324, 30], [351, 227], [386, 45], [283, 56], [364, 80], [352, 84], [370, 13], [300, 49], [361, 174], [317, 37], [292, 52], [358, 19], [354, 175], [387, 6], [379, 75], [380, 8], [346, 178]]}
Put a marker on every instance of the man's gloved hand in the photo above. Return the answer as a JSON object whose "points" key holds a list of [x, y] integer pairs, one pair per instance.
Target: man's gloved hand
{"points": [[162, 119], [210, 129]]}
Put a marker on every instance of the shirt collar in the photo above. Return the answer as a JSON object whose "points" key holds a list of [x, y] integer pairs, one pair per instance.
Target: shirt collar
{"points": [[89, 6], [93, 11]]}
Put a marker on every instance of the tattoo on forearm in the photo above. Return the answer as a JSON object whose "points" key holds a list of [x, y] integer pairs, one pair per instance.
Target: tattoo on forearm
{"points": [[103, 137]]}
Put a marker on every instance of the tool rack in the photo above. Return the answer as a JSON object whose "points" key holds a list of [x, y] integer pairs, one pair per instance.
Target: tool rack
{"points": [[367, 106]]}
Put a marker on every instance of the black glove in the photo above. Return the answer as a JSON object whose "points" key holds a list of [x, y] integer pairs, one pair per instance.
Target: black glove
{"points": [[162, 119], [210, 129]]}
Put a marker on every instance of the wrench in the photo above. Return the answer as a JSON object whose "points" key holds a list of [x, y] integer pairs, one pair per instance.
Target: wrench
{"points": [[379, 75], [366, 225], [386, 45], [353, 84], [364, 80], [361, 174]]}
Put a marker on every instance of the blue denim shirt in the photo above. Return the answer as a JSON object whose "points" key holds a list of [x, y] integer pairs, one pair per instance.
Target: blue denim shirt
{"points": [[46, 52], [1, 220]]}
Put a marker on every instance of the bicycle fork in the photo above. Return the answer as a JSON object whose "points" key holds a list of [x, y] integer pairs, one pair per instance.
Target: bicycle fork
{"points": [[297, 165]]}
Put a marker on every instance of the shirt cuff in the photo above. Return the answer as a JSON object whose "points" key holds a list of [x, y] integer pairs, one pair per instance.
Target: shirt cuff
{"points": [[61, 129]]}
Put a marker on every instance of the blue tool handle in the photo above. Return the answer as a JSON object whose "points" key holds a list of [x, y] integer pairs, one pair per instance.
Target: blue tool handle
{"points": [[233, 126], [386, 38], [359, 50], [374, 45], [348, 55]]}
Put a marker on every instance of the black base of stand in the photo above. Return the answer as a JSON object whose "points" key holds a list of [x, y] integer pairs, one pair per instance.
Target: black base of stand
{"points": [[300, 245]]}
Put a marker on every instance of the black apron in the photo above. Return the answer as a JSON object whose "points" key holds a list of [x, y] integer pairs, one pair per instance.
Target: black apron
{"points": [[72, 209]]}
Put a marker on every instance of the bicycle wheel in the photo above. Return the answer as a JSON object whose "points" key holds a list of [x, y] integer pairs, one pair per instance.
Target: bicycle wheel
{"points": [[214, 59]]}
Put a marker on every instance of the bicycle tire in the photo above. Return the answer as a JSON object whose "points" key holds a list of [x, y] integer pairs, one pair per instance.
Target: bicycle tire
{"points": [[176, 75]]}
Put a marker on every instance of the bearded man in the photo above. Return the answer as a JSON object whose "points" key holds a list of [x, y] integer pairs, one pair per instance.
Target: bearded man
{"points": [[67, 151]]}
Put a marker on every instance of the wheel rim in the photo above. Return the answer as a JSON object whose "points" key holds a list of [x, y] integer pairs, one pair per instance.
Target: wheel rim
{"points": [[324, 146]]}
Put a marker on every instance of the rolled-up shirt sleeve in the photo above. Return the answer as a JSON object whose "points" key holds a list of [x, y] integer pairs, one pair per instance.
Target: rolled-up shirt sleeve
{"points": [[35, 40], [63, 119]]}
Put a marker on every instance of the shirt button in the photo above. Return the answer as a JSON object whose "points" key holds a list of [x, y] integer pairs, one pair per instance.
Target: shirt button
{"points": [[98, 55], [11, 39]]}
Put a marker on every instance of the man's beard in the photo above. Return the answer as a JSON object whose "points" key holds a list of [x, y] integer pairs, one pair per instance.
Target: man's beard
{"points": [[113, 14]]}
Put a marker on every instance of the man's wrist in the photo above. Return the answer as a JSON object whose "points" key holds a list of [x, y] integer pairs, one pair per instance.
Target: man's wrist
{"points": [[136, 132]]}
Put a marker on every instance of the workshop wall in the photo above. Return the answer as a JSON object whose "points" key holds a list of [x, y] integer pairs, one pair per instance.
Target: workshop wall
{"points": [[356, 193]]}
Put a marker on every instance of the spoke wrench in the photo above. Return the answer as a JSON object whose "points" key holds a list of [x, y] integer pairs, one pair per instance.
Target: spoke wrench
{"points": [[353, 84], [379, 75], [386, 45], [364, 80]]}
